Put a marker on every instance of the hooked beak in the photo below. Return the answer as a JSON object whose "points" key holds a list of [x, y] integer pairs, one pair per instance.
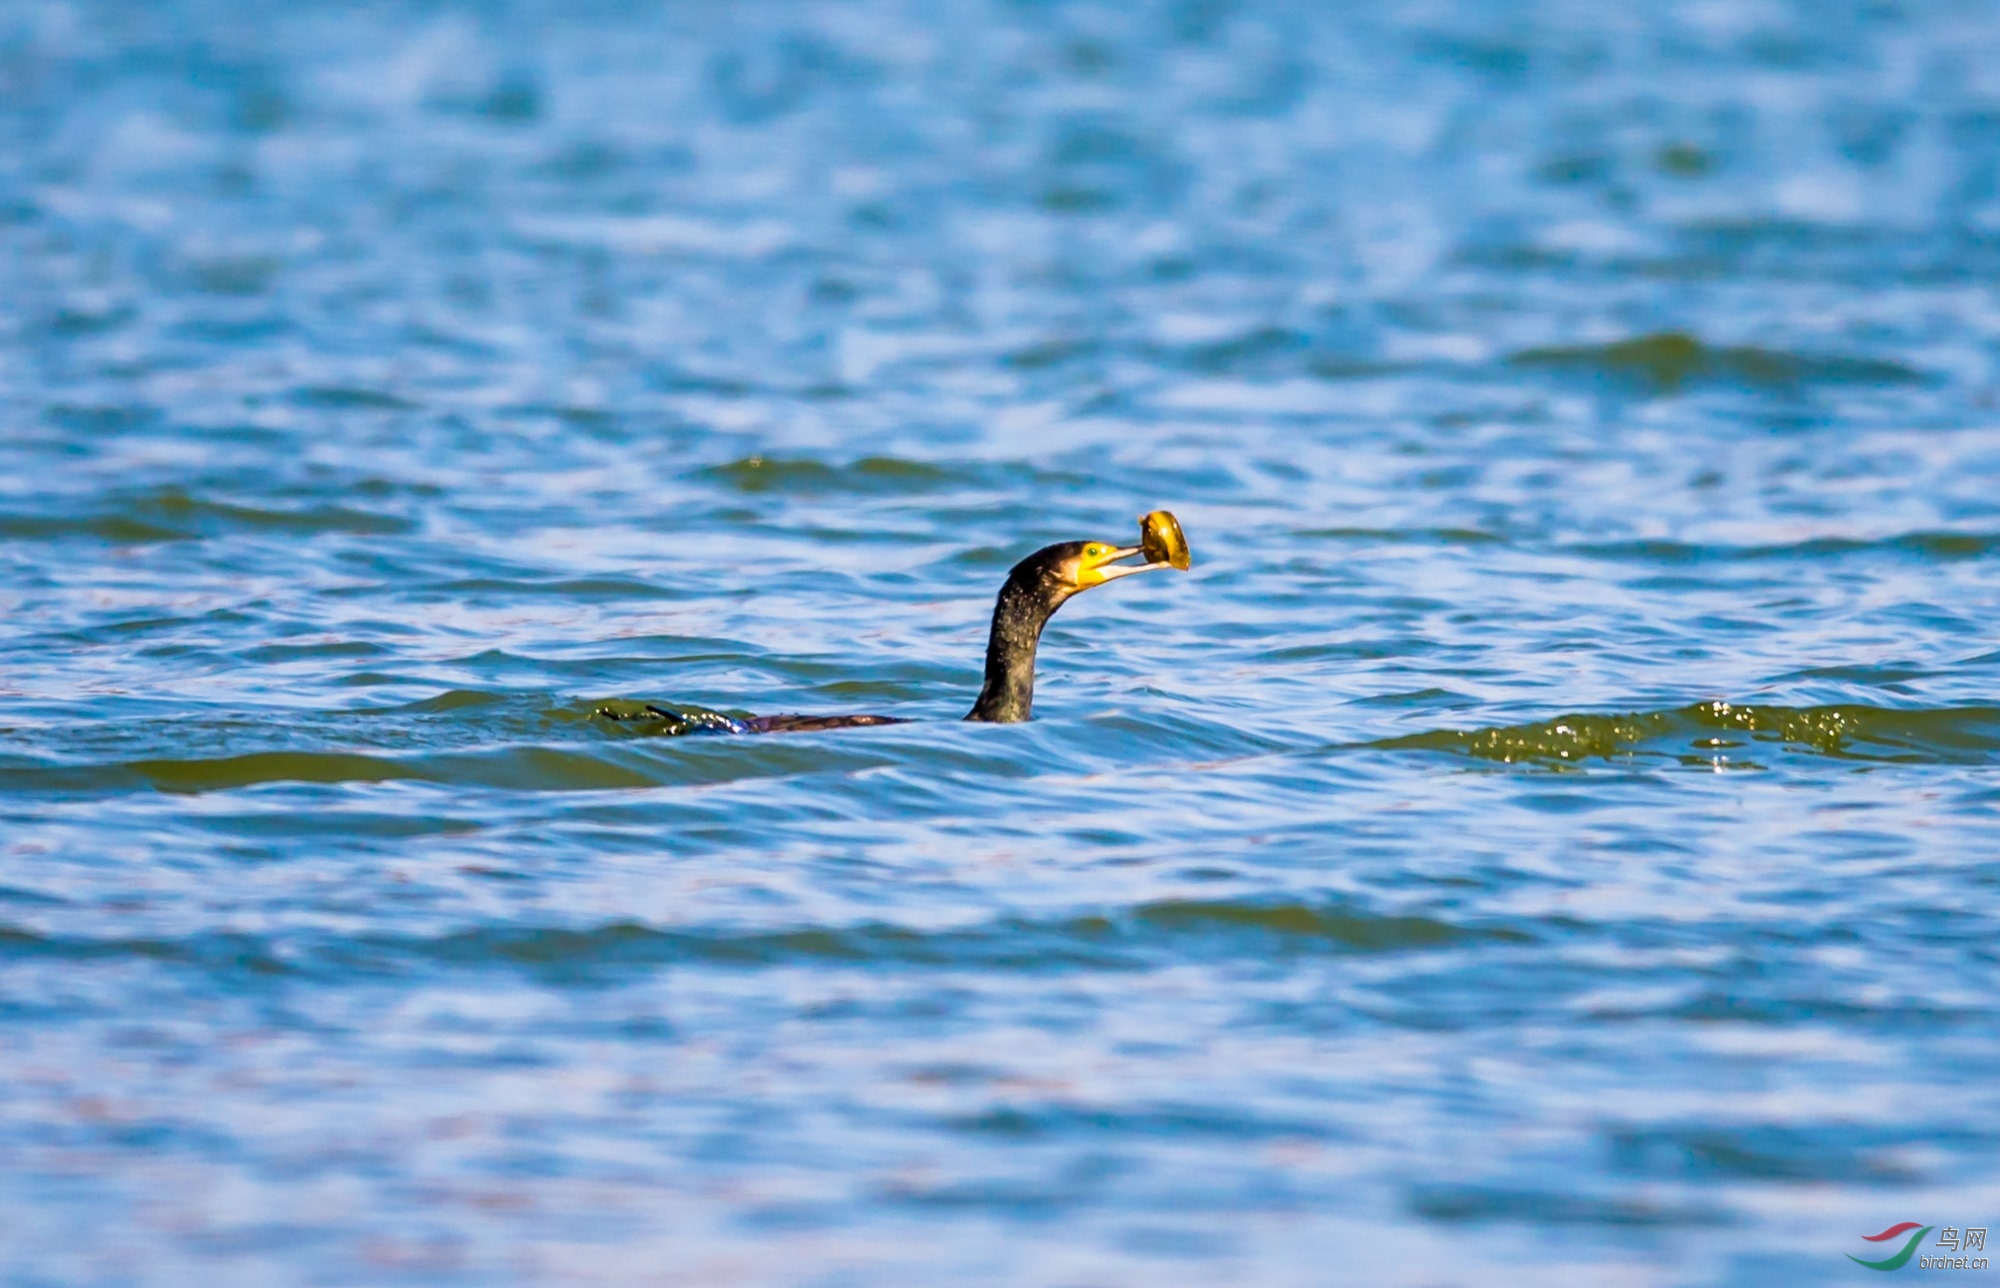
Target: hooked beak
{"points": [[1110, 570]]}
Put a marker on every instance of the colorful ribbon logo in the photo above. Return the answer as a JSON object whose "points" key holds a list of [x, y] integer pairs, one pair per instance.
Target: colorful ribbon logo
{"points": [[1898, 1261]]}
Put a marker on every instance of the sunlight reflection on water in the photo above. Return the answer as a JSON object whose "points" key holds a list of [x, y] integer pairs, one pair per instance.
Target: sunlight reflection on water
{"points": [[1542, 838]]}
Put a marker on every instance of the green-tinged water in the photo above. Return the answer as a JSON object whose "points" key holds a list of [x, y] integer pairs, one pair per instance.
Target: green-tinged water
{"points": [[1546, 838]]}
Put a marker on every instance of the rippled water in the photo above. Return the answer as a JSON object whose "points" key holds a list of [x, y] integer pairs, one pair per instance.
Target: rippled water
{"points": [[1546, 838]]}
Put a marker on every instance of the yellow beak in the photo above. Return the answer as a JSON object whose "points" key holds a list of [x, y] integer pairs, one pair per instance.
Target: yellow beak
{"points": [[1106, 567]]}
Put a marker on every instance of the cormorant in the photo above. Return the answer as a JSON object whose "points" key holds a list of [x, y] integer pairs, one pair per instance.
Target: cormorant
{"points": [[1035, 589]]}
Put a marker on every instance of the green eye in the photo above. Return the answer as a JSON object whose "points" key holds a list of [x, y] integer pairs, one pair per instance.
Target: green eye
{"points": [[1093, 551]]}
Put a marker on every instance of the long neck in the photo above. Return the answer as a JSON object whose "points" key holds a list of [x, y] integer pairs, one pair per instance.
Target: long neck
{"points": [[1023, 608]]}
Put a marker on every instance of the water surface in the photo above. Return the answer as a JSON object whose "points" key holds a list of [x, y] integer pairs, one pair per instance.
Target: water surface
{"points": [[1546, 838]]}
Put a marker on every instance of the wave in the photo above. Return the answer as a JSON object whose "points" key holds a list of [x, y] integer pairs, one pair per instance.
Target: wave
{"points": [[1666, 362], [170, 514], [1923, 544], [1715, 733], [869, 476], [515, 743], [1126, 938]]}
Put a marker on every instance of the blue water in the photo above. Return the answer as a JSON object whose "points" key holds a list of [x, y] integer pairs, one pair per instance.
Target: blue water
{"points": [[1546, 838]]}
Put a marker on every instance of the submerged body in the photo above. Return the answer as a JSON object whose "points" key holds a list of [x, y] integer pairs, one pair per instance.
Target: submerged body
{"points": [[691, 722], [1035, 588]]}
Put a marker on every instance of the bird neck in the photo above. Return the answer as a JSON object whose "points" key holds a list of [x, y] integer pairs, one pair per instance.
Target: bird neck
{"points": [[1023, 608]]}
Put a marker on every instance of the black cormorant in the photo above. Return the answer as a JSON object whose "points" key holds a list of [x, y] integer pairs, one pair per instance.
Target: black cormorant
{"points": [[1035, 589]]}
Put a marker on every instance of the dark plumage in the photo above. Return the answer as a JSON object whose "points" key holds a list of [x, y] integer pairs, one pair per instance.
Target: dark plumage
{"points": [[1035, 589]]}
